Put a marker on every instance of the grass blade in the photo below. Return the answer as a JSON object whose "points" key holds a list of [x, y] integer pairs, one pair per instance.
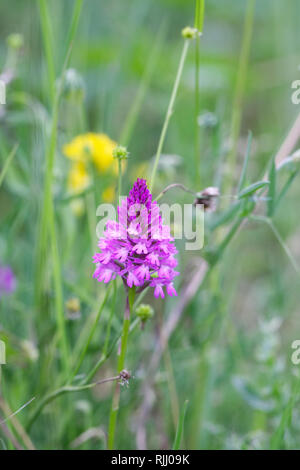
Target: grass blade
{"points": [[246, 162], [180, 427], [7, 163]]}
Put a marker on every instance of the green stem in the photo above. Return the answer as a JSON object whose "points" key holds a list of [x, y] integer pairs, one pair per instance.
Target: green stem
{"points": [[121, 363], [179, 432], [169, 110], [172, 386], [74, 22], [132, 116], [106, 355], [120, 178], [239, 94], [112, 311], [234, 228], [199, 19]]}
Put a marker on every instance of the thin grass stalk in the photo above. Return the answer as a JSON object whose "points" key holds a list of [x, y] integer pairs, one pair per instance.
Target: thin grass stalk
{"points": [[62, 391], [119, 178], [179, 432], [7, 163], [135, 108], [239, 96], [112, 311], [199, 19], [74, 23], [172, 386], [169, 111]]}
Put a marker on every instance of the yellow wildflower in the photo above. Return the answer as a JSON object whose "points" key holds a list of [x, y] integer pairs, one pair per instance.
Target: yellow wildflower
{"points": [[95, 147], [78, 178]]}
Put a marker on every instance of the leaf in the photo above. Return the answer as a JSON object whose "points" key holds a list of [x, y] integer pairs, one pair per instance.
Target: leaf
{"points": [[252, 189], [285, 189], [8, 162], [246, 161], [180, 427]]}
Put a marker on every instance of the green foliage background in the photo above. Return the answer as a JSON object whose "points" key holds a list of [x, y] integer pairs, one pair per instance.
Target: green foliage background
{"points": [[230, 354]]}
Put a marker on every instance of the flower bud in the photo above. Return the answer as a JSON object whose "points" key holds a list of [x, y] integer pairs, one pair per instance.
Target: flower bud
{"points": [[144, 312], [120, 153], [73, 308], [207, 120], [190, 33], [73, 85], [15, 41]]}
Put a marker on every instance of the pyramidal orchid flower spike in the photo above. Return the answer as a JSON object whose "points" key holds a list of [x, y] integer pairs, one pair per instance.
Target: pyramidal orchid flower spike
{"points": [[138, 247]]}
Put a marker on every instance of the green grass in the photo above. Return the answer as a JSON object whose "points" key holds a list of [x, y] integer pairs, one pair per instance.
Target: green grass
{"points": [[223, 378]]}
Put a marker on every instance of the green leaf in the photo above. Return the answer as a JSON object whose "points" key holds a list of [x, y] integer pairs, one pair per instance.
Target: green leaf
{"points": [[7, 163], [252, 189], [2, 353], [246, 161], [285, 189]]}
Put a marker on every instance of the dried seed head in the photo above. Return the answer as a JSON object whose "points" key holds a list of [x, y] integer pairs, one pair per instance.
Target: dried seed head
{"points": [[207, 198], [124, 377], [73, 86]]}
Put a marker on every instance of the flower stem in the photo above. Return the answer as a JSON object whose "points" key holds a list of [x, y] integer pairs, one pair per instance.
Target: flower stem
{"points": [[169, 110], [121, 362], [120, 178]]}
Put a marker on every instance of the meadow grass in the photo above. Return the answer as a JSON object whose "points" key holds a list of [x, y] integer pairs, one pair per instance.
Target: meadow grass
{"points": [[211, 368]]}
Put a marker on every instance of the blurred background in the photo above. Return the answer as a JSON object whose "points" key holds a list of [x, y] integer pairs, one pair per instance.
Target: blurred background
{"points": [[230, 355]]}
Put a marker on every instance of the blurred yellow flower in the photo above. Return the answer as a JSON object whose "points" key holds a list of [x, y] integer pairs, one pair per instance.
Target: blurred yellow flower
{"points": [[78, 178], [86, 149], [108, 194], [97, 148]]}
